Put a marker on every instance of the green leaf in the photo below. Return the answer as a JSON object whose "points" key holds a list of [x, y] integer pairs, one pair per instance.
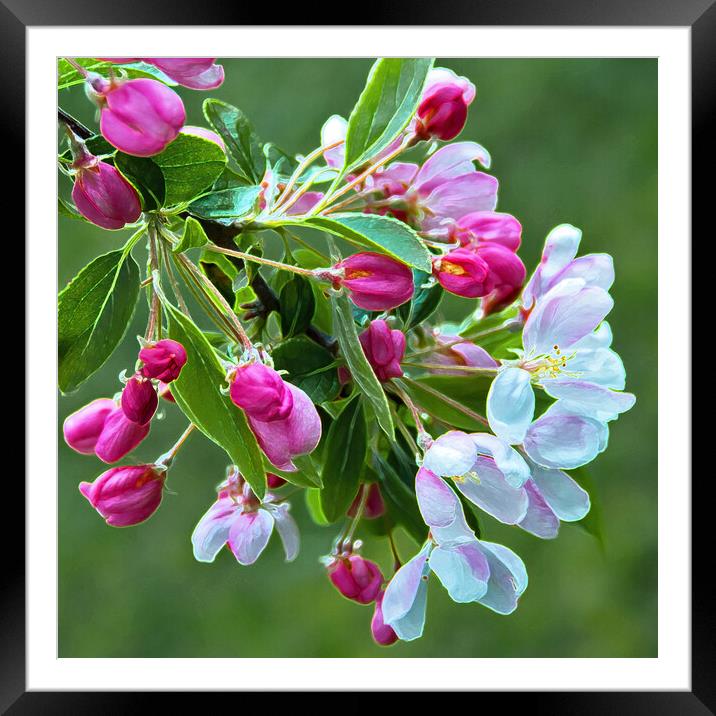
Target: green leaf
{"points": [[305, 476], [145, 176], [310, 367], [343, 458], [386, 105], [296, 306], [94, 310], [241, 142], [189, 164], [67, 75], [65, 208], [197, 391], [377, 233], [313, 503], [345, 330], [193, 237], [226, 204], [221, 272], [593, 521], [400, 499], [424, 303], [187, 167]]}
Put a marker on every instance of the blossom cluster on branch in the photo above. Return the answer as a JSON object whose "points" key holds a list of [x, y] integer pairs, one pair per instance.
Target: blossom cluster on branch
{"points": [[325, 372]]}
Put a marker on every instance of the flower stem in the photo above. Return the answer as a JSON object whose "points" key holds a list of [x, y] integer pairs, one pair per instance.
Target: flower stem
{"points": [[306, 162], [360, 178], [463, 368], [259, 260], [168, 457], [448, 401]]}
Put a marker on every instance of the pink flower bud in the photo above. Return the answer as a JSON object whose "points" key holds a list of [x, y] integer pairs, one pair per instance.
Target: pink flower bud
{"points": [[261, 392], [163, 360], [139, 117], [83, 428], [126, 495], [374, 505], [119, 436], [454, 351], [376, 282], [443, 108], [507, 274], [164, 392], [104, 197], [274, 481], [481, 227], [199, 73], [384, 348], [356, 578], [463, 273], [139, 399], [383, 634], [204, 133]]}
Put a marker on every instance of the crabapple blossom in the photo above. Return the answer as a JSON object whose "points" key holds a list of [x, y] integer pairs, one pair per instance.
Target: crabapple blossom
{"points": [[163, 360], [139, 117], [126, 495], [104, 197], [443, 106], [355, 578], [453, 351], [384, 348], [139, 399], [261, 392], [383, 635], [375, 282], [244, 523]]}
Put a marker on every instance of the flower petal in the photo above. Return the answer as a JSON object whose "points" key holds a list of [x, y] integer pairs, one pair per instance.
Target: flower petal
{"points": [[406, 595], [249, 535], [540, 520], [589, 399], [451, 454], [563, 441], [463, 571], [212, 531], [508, 578], [490, 491], [511, 404], [452, 160], [287, 529], [510, 463], [564, 496], [437, 502], [564, 315]]}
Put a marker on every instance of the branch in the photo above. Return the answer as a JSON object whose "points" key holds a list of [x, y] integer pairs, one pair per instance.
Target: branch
{"points": [[223, 236], [74, 124]]}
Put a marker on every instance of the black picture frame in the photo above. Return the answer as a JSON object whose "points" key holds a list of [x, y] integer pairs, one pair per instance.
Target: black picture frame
{"points": [[699, 15]]}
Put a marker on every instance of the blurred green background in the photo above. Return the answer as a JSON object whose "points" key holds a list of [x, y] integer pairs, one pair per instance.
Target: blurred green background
{"points": [[572, 141]]}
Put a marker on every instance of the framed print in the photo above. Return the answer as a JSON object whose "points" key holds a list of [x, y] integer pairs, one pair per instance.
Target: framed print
{"points": [[373, 356]]}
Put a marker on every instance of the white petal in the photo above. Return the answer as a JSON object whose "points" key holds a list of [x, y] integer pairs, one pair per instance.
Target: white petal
{"points": [[511, 404]]}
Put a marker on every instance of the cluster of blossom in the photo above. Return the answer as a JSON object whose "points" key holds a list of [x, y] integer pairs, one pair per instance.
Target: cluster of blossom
{"points": [[513, 470]]}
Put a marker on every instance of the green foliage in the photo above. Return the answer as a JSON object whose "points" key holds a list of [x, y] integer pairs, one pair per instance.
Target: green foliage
{"points": [[193, 236], [297, 304], [343, 458], [227, 205], [424, 303], [244, 147], [376, 233], [383, 110], [94, 310], [198, 392], [309, 367], [180, 173], [345, 330], [68, 76]]}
